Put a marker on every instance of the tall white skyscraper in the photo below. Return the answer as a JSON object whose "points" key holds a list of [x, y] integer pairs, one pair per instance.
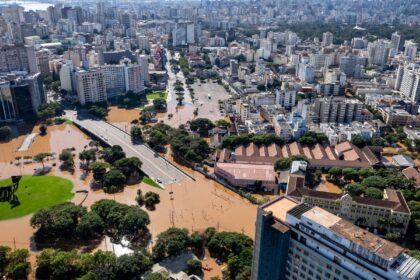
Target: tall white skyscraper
{"points": [[410, 82], [410, 49], [395, 43]]}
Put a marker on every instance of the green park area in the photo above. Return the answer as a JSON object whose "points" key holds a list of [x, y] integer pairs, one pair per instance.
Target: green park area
{"points": [[156, 94], [34, 193]]}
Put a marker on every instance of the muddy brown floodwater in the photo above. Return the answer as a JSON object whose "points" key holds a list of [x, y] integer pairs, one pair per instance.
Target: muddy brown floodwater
{"points": [[194, 205]]}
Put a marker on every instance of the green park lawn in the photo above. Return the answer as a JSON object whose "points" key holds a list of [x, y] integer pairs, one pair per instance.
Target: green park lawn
{"points": [[34, 193], [156, 94]]}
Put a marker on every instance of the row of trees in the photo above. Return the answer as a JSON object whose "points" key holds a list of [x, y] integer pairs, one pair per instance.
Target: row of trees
{"points": [[57, 264], [114, 171], [67, 221], [185, 147], [14, 264], [231, 247], [261, 139]]}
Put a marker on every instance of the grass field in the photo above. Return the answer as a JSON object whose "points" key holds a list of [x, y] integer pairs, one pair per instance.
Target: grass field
{"points": [[34, 193], [156, 94], [150, 182]]}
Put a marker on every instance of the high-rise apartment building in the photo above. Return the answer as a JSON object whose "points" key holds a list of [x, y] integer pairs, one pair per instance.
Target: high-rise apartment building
{"points": [[90, 86], [144, 63], [378, 52], [114, 79], [134, 79], [18, 58], [408, 82], [351, 65], [327, 39], [338, 110], [306, 72], [295, 241], [42, 60], [410, 49], [395, 43], [20, 96], [66, 76]]}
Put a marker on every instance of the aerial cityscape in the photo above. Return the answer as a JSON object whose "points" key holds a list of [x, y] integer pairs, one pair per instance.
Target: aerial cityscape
{"points": [[210, 139]]}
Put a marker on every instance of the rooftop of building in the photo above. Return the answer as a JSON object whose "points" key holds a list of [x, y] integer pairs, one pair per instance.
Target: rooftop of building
{"points": [[342, 155], [252, 172], [279, 207], [392, 199]]}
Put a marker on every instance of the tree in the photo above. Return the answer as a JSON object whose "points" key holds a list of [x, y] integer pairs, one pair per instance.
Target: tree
{"points": [[350, 174], [140, 198], [354, 188], [151, 199], [88, 156], [160, 104], [113, 181], [58, 221], [66, 157], [113, 154], [171, 242], [42, 129], [222, 123], [222, 244], [283, 164], [197, 241], [373, 193], [99, 170], [136, 133], [377, 182], [180, 99], [90, 225], [5, 132], [307, 141], [49, 110], [194, 267], [128, 166], [41, 157], [133, 265], [17, 266], [335, 172], [358, 141], [202, 126], [121, 219]]}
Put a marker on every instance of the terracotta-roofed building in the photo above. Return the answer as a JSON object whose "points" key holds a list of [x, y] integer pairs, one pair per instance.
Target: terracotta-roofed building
{"points": [[351, 155], [240, 151], [252, 150], [285, 151], [295, 149], [262, 151], [246, 175], [274, 150], [363, 211], [330, 153], [318, 152], [307, 152], [343, 147], [318, 156], [412, 173]]}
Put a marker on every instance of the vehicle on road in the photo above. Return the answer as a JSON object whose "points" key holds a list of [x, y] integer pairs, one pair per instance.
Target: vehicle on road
{"points": [[158, 180]]}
